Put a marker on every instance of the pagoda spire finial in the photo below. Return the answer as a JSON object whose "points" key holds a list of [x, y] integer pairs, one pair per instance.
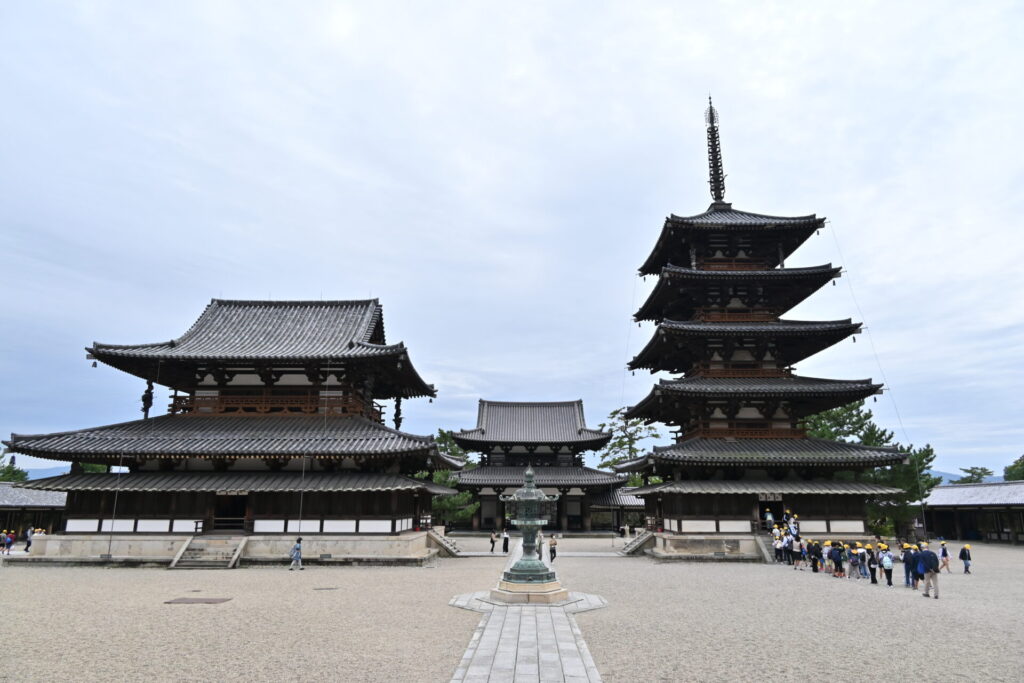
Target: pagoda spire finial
{"points": [[717, 175]]}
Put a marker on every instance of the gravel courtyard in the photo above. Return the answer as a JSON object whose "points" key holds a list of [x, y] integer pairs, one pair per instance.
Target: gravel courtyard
{"points": [[665, 621]]}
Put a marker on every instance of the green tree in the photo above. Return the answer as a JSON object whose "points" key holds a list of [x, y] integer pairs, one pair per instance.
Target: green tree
{"points": [[459, 507], [626, 437], [1015, 470], [9, 472], [92, 467], [853, 423], [973, 475]]}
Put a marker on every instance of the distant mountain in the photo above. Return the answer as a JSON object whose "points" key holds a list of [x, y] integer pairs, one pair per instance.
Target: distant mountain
{"points": [[44, 472], [950, 477]]}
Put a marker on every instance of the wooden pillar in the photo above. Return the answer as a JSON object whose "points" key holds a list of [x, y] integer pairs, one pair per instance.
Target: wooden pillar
{"points": [[563, 510], [499, 509], [476, 514], [585, 509]]}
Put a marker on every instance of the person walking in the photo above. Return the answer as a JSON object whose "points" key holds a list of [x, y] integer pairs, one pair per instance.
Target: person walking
{"points": [[837, 560], [908, 568], [769, 519], [930, 565], [777, 545], [887, 561], [917, 571], [28, 538], [504, 541], [872, 562], [944, 559], [296, 555], [553, 547], [494, 539], [965, 557]]}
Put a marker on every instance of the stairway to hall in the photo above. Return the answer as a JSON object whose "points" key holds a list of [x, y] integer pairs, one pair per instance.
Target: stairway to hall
{"points": [[210, 552]]}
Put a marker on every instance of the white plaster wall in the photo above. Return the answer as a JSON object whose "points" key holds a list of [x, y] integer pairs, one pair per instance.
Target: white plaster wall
{"points": [[83, 524], [848, 526], [186, 525], [812, 526], [306, 526], [371, 526], [339, 526], [268, 526], [118, 525], [698, 525], [734, 526], [153, 525]]}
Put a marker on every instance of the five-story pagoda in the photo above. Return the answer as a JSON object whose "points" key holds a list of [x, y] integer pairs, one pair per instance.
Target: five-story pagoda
{"points": [[735, 398], [273, 427]]}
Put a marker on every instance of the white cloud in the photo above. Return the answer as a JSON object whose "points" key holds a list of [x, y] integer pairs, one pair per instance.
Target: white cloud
{"points": [[496, 175]]}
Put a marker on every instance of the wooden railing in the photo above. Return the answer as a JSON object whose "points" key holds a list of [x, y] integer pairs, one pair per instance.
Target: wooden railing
{"points": [[740, 372], [740, 433], [296, 405], [737, 316], [733, 264]]}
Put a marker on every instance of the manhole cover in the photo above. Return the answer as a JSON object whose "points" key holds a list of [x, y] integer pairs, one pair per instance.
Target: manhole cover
{"points": [[325, 589], [195, 591], [196, 601]]}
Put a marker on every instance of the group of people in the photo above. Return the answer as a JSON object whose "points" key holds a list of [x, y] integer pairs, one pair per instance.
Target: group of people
{"points": [[8, 538], [921, 565], [552, 544]]}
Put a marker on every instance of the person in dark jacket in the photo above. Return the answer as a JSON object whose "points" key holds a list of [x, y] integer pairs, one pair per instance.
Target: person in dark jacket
{"points": [[872, 563], [915, 565], [965, 557], [837, 560], [930, 567], [908, 567]]}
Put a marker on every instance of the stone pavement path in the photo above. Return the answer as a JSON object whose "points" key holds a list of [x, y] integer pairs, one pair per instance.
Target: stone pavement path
{"points": [[516, 643], [519, 643]]}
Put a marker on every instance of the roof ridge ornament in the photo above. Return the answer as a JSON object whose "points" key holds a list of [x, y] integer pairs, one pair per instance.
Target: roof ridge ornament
{"points": [[716, 174]]}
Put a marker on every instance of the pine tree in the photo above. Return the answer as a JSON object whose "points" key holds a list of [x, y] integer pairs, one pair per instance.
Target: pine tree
{"points": [[973, 475], [854, 423], [1015, 470], [626, 438]]}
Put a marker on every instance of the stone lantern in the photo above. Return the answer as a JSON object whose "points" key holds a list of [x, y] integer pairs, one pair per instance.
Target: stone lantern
{"points": [[529, 579]]}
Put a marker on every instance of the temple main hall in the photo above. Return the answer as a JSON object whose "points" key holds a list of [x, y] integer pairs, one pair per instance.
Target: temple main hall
{"points": [[275, 426]]}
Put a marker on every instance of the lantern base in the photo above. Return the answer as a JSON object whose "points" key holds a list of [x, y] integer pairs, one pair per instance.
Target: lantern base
{"points": [[545, 593]]}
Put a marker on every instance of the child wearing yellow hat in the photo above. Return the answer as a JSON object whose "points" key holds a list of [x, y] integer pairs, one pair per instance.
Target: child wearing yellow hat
{"points": [[965, 557], [944, 558]]}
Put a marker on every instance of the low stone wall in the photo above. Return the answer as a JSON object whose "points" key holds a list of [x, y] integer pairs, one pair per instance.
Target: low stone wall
{"points": [[156, 550], [139, 548], [710, 548], [276, 548]]}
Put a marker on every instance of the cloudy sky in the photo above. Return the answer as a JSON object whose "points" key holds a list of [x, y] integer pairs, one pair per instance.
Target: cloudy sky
{"points": [[496, 173]]}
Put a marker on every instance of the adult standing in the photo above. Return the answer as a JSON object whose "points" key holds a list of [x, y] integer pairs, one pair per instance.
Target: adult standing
{"points": [[553, 547], [296, 555], [494, 539], [915, 564], [504, 541], [965, 557], [28, 538], [930, 565]]}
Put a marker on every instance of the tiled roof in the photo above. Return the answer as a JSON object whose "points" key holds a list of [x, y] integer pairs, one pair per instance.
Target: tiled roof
{"points": [[621, 497], [15, 497], [782, 387], [177, 436], [686, 288], [768, 328], [493, 475], [836, 488], [275, 333], [271, 330], [722, 215], [236, 481], [556, 423], [678, 272], [826, 393], [676, 344], [772, 452], [974, 495]]}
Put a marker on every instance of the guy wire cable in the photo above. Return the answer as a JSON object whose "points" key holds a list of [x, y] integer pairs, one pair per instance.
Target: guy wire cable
{"points": [[892, 394]]}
